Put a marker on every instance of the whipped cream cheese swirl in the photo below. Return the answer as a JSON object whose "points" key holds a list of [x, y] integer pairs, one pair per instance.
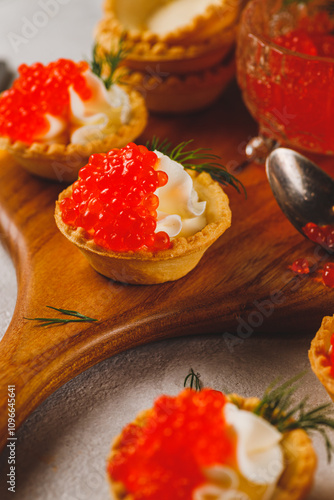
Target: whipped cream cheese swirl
{"points": [[102, 114], [180, 213], [259, 459], [92, 119]]}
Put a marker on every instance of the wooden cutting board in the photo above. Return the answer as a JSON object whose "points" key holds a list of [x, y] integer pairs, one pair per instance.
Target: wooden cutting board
{"points": [[241, 286]]}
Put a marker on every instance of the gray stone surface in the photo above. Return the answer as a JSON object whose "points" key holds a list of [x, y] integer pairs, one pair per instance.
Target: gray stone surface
{"points": [[8, 289], [62, 447]]}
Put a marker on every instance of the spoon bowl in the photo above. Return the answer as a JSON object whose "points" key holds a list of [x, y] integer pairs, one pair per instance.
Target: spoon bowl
{"points": [[304, 192]]}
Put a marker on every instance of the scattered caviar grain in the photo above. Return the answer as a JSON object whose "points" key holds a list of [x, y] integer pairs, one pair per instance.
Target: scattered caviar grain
{"points": [[328, 275], [114, 202], [301, 266], [324, 235]]}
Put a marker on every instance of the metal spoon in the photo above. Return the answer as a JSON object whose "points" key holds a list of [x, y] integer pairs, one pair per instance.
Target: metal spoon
{"points": [[304, 192]]}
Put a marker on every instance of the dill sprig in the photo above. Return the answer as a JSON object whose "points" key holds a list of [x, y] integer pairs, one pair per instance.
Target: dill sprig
{"points": [[194, 380], [80, 318], [277, 406], [108, 63], [200, 160]]}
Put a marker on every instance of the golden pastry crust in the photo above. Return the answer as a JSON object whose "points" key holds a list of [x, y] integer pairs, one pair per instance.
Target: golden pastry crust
{"points": [[217, 17], [177, 72], [182, 94], [62, 162], [299, 458], [318, 354], [147, 267], [145, 49]]}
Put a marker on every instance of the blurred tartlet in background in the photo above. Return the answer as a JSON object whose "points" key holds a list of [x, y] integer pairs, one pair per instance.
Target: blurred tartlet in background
{"points": [[180, 54], [55, 116]]}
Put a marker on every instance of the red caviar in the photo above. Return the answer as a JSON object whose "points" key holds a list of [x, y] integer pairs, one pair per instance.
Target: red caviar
{"points": [[297, 41], [114, 200], [328, 275], [39, 90], [301, 266], [164, 458], [324, 235], [287, 80]]}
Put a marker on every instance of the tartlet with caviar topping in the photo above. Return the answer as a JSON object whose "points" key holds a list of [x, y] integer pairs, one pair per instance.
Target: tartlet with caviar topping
{"points": [[179, 53], [139, 217], [55, 116], [208, 446], [321, 354]]}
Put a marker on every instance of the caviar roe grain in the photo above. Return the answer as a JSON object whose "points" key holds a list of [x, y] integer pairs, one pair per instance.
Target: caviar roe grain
{"points": [[301, 266], [39, 90], [114, 202], [328, 275], [324, 235], [165, 458]]}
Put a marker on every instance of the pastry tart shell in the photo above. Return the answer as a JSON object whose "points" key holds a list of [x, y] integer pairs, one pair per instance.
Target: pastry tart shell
{"points": [[62, 162], [147, 267], [183, 94], [318, 354], [146, 50], [299, 458], [216, 18]]}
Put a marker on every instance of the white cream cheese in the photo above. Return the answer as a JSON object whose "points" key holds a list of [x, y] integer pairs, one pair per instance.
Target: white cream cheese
{"points": [[56, 131], [179, 213], [259, 459], [91, 119], [176, 14], [102, 114]]}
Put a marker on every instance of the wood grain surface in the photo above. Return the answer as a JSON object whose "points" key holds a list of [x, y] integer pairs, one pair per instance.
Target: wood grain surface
{"points": [[242, 285]]}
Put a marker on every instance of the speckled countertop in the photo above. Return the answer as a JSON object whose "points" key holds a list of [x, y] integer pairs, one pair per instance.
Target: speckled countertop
{"points": [[62, 447]]}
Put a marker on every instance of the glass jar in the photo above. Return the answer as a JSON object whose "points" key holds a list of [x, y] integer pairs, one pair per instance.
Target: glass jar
{"points": [[290, 94]]}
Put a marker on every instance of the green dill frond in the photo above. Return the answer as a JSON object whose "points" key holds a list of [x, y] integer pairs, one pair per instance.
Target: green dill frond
{"points": [[194, 380], [80, 318], [199, 159], [278, 407], [108, 63]]}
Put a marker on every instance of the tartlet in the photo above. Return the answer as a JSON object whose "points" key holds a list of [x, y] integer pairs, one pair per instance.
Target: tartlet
{"points": [[206, 20], [299, 459], [183, 93], [147, 51], [62, 162], [58, 157], [319, 354], [147, 267], [194, 47]]}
